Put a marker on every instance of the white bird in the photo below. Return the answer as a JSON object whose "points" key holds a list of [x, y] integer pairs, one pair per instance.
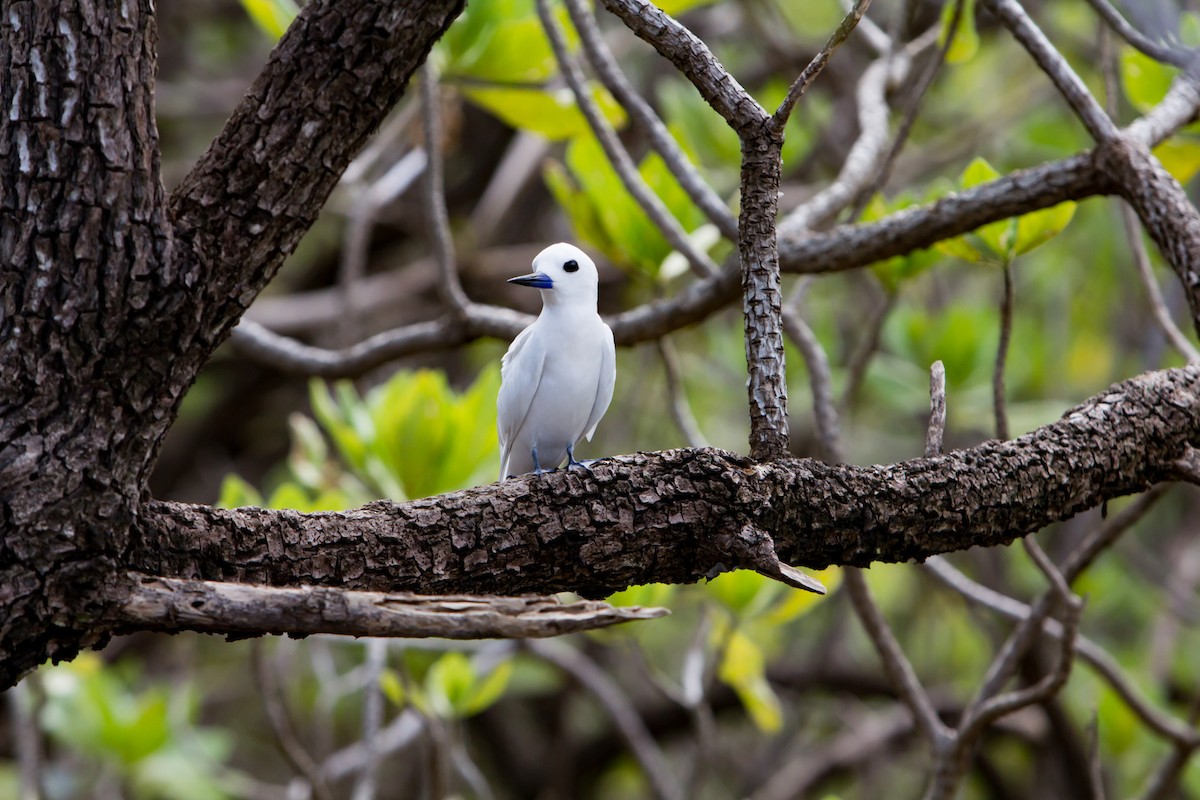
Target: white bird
{"points": [[556, 380]]}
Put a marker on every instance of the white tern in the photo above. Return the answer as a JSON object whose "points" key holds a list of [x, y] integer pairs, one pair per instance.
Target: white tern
{"points": [[557, 378]]}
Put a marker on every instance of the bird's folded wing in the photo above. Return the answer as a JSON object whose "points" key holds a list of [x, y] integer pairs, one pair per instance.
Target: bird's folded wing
{"points": [[520, 375], [604, 387]]}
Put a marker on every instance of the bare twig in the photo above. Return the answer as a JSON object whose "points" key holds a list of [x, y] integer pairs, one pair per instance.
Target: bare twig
{"points": [[692, 57], [1089, 652], [609, 72], [844, 248], [681, 411], [285, 732], [825, 413], [1176, 56], [436, 214], [353, 263], [1069, 85], [809, 73], [868, 345], [899, 670], [862, 161], [173, 604], [1158, 306], [372, 719], [615, 702], [618, 156], [909, 116], [1006, 319], [937, 410]]}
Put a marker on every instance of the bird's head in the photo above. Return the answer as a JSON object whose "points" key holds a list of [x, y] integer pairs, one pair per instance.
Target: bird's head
{"points": [[564, 273]]}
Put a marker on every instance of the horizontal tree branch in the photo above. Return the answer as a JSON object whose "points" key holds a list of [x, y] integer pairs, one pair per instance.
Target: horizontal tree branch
{"points": [[172, 605], [681, 515]]}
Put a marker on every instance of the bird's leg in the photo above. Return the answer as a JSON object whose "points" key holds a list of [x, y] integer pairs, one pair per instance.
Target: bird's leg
{"points": [[571, 462], [537, 468]]}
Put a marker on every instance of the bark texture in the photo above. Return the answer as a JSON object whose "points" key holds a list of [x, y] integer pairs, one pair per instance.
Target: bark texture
{"points": [[113, 297], [681, 515], [762, 299]]}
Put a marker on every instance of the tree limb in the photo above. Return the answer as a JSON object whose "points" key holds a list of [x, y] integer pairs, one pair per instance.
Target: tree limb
{"points": [[235, 609], [681, 515]]}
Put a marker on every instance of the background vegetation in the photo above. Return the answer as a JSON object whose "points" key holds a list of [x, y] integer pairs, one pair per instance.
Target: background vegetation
{"points": [[749, 688]]}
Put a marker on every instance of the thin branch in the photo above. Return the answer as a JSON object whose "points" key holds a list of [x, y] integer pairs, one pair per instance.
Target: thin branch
{"points": [[437, 217], [1089, 652], [173, 604], [616, 703], [1183, 58], [691, 56], [1069, 85], [900, 672], [352, 266], [937, 410], [825, 413], [617, 155], [809, 73], [844, 248], [1006, 320], [643, 116], [909, 116], [868, 345], [1158, 306], [285, 732], [681, 411], [372, 719], [862, 160]]}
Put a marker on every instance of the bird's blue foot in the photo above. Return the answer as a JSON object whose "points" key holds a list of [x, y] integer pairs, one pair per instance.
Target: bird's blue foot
{"points": [[584, 465], [537, 468]]}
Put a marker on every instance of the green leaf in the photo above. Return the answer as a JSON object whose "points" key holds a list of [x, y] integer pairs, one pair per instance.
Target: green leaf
{"points": [[743, 592], [997, 236], [551, 113], [393, 687], [237, 493], [1144, 80], [677, 7], [272, 16], [1038, 227], [449, 684], [645, 595], [1180, 157], [743, 667], [489, 690], [797, 602], [966, 39]]}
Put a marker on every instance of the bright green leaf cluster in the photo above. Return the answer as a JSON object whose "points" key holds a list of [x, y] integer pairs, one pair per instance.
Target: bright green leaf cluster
{"points": [[413, 436], [150, 737], [1001, 242], [452, 687]]}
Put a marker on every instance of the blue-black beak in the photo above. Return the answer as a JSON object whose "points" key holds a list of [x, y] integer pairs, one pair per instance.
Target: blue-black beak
{"points": [[538, 280]]}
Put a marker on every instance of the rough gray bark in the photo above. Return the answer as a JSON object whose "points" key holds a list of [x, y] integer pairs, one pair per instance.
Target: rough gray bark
{"points": [[680, 515], [111, 301]]}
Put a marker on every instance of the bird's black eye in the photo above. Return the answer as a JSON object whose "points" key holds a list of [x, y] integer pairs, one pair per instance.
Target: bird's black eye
{"points": [[571, 266]]}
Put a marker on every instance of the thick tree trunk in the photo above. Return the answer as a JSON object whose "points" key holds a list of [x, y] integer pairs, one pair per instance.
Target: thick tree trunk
{"points": [[84, 254], [110, 303]]}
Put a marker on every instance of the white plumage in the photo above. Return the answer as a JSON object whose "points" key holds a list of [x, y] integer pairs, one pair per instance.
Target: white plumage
{"points": [[556, 380]]}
